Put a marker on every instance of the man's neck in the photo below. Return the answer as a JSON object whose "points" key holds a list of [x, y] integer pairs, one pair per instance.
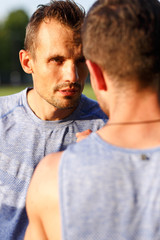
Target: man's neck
{"points": [[134, 122]]}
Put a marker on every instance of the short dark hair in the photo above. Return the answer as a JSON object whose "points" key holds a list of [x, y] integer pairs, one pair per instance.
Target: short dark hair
{"points": [[123, 37], [67, 12]]}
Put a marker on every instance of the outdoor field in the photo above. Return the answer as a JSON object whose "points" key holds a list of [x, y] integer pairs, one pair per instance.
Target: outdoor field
{"points": [[7, 90]]}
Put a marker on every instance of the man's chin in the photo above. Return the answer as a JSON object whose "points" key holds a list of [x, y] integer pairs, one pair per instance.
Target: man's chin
{"points": [[67, 105], [66, 102]]}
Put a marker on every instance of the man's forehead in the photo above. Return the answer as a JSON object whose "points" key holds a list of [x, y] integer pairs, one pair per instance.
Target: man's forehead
{"points": [[67, 51], [53, 29], [54, 23]]}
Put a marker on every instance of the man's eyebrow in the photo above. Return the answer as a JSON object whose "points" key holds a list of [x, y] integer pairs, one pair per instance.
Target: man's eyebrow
{"points": [[56, 56], [61, 57]]}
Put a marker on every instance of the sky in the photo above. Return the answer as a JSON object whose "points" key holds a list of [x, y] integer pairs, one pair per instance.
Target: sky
{"points": [[30, 6]]}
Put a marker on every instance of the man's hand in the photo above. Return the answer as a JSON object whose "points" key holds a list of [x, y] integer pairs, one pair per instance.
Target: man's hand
{"points": [[82, 135]]}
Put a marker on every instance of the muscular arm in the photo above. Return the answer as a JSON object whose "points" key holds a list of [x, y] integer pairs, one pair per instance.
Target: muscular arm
{"points": [[43, 201]]}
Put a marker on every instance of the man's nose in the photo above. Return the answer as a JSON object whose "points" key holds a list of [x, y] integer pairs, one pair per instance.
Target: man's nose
{"points": [[71, 72]]}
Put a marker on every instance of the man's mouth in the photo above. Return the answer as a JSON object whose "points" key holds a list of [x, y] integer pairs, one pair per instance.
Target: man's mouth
{"points": [[69, 91]]}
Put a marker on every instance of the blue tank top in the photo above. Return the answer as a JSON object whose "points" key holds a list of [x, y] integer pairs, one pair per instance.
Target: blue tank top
{"points": [[108, 192], [24, 141]]}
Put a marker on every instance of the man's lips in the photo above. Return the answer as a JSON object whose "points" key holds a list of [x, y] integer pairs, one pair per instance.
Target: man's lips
{"points": [[68, 91]]}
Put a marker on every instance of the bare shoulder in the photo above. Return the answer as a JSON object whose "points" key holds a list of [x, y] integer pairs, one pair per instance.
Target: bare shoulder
{"points": [[46, 173], [49, 165], [42, 202]]}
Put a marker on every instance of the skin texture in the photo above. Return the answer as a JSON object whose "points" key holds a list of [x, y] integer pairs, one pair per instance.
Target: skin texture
{"points": [[58, 70]]}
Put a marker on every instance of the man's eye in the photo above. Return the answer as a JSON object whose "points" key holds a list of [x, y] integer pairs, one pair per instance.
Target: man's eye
{"points": [[57, 60]]}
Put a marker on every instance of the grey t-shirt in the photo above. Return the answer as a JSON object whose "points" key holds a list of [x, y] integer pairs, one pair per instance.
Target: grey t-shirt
{"points": [[108, 192], [24, 141]]}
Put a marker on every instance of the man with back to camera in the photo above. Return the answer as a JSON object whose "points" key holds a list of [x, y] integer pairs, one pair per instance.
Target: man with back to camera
{"points": [[45, 119], [109, 183]]}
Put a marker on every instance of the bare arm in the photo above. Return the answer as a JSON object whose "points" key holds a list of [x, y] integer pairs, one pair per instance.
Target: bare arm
{"points": [[42, 202]]}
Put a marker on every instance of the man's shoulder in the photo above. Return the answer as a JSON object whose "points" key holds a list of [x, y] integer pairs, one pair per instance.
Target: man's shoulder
{"points": [[91, 108], [89, 115], [9, 103], [89, 103]]}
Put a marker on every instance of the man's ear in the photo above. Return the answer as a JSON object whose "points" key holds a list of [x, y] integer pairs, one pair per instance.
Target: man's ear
{"points": [[25, 60], [97, 75]]}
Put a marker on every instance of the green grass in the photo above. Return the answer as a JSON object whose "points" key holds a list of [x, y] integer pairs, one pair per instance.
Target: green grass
{"points": [[8, 90], [88, 91]]}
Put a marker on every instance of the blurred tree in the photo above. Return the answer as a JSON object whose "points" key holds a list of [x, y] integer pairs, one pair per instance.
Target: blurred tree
{"points": [[4, 53], [15, 26], [12, 33]]}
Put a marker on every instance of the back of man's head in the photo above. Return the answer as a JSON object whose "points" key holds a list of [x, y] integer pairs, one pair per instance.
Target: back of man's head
{"points": [[67, 12], [123, 37]]}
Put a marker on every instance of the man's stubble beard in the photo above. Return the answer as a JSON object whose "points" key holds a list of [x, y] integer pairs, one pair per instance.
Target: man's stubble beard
{"points": [[72, 103], [59, 104]]}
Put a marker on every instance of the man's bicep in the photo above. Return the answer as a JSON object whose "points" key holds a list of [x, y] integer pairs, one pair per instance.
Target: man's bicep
{"points": [[42, 202], [33, 206], [33, 234]]}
